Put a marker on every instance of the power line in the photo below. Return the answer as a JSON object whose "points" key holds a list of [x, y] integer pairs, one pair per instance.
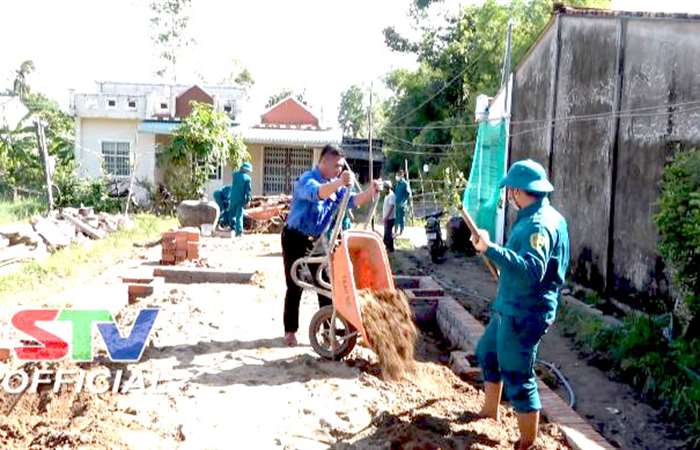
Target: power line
{"points": [[621, 113], [429, 99]]}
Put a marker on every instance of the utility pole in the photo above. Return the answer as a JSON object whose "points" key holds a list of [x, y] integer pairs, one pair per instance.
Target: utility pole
{"points": [[41, 142], [371, 154]]}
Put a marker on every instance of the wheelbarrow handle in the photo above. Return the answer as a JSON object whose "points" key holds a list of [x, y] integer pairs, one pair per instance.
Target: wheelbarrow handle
{"points": [[375, 203], [294, 273]]}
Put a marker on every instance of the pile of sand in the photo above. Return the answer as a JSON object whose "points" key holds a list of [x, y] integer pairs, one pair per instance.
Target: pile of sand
{"points": [[388, 320]]}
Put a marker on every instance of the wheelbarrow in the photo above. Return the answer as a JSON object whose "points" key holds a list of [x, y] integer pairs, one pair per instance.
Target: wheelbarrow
{"points": [[346, 262]]}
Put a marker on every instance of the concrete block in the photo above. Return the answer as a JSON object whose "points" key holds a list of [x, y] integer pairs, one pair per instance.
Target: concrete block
{"points": [[190, 275], [406, 282]]}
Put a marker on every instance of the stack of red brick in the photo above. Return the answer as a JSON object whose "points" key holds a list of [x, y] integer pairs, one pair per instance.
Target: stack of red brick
{"points": [[180, 245]]}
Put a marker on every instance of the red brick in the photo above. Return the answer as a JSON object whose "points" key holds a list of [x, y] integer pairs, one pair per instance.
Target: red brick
{"points": [[140, 290], [169, 235]]}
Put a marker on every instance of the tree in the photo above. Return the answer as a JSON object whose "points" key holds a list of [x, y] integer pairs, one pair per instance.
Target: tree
{"points": [[239, 75], [199, 145], [169, 27], [459, 57], [352, 114], [20, 163], [20, 86], [276, 98]]}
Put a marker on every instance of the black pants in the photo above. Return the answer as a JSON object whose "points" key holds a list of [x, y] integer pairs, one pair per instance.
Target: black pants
{"points": [[296, 245], [389, 234]]}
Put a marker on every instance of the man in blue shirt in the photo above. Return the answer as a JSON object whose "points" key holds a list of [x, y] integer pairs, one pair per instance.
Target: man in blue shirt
{"points": [[533, 267], [316, 197]]}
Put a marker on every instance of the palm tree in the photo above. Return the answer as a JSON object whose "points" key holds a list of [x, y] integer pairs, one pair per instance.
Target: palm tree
{"points": [[20, 87]]}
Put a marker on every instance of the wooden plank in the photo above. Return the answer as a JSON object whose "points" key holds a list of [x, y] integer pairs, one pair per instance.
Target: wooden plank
{"points": [[85, 228]]}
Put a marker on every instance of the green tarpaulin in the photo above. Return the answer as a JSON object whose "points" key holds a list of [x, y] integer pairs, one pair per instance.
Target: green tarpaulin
{"points": [[481, 195]]}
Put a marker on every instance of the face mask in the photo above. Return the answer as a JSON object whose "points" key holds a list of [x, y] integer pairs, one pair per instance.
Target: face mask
{"points": [[512, 203], [397, 177]]}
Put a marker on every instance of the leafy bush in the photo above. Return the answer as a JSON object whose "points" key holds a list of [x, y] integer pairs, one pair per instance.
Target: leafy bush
{"points": [[678, 221], [78, 192], [199, 145], [665, 372]]}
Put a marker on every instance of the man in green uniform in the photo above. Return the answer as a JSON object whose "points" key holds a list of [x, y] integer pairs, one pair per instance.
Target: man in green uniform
{"points": [[240, 196], [221, 197], [533, 267], [402, 192]]}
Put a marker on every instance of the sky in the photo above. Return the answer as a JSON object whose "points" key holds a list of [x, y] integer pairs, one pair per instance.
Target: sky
{"points": [[319, 46]]}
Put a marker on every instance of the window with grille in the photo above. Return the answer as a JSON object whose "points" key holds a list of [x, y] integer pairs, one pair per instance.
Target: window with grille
{"points": [[116, 158], [282, 166]]}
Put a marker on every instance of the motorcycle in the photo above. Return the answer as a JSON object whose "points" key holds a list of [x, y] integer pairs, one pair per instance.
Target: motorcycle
{"points": [[436, 244]]}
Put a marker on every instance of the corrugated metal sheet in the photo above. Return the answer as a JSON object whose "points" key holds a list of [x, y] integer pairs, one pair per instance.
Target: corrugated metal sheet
{"points": [[158, 127], [292, 136]]}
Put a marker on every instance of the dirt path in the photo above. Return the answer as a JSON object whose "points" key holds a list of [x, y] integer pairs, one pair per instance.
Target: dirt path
{"points": [[613, 408], [227, 381]]}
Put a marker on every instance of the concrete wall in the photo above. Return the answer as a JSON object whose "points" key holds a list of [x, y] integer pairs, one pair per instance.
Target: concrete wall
{"points": [[92, 132], [581, 157], [533, 88], [606, 170], [661, 66]]}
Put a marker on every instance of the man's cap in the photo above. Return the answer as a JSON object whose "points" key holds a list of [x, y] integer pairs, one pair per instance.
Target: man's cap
{"points": [[527, 175], [247, 167]]}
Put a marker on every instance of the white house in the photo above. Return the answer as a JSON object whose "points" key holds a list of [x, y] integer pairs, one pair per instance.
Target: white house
{"points": [[120, 127], [286, 142]]}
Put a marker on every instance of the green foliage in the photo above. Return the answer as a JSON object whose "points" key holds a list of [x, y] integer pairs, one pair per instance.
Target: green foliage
{"points": [[352, 115], [466, 50], [20, 87], [18, 211], [276, 98], [678, 221], [76, 192], [20, 163], [200, 144], [665, 372]]}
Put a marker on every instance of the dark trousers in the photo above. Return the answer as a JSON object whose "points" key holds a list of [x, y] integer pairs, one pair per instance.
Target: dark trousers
{"points": [[296, 245], [389, 235]]}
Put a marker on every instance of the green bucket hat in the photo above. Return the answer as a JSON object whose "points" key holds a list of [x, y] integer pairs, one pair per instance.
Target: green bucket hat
{"points": [[247, 167], [527, 175]]}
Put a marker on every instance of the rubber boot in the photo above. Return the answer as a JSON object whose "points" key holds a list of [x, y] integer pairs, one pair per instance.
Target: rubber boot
{"points": [[493, 399], [528, 424]]}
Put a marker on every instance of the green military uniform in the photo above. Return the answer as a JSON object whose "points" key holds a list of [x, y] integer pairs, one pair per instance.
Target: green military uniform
{"points": [[221, 197], [402, 192], [240, 196], [533, 267]]}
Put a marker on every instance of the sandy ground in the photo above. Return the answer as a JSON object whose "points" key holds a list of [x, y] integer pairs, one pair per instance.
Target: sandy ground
{"points": [[227, 380], [613, 408]]}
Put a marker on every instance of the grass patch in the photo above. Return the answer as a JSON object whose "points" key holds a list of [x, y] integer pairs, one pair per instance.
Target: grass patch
{"points": [[403, 244], [11, 212], [35, 280]]}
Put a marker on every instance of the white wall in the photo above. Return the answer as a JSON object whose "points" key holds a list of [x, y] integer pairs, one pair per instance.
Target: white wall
{"points": [[92, 132]]}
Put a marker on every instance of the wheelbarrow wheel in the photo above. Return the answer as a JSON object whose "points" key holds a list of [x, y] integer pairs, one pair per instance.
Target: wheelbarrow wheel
{"points": [[320, 335]]}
